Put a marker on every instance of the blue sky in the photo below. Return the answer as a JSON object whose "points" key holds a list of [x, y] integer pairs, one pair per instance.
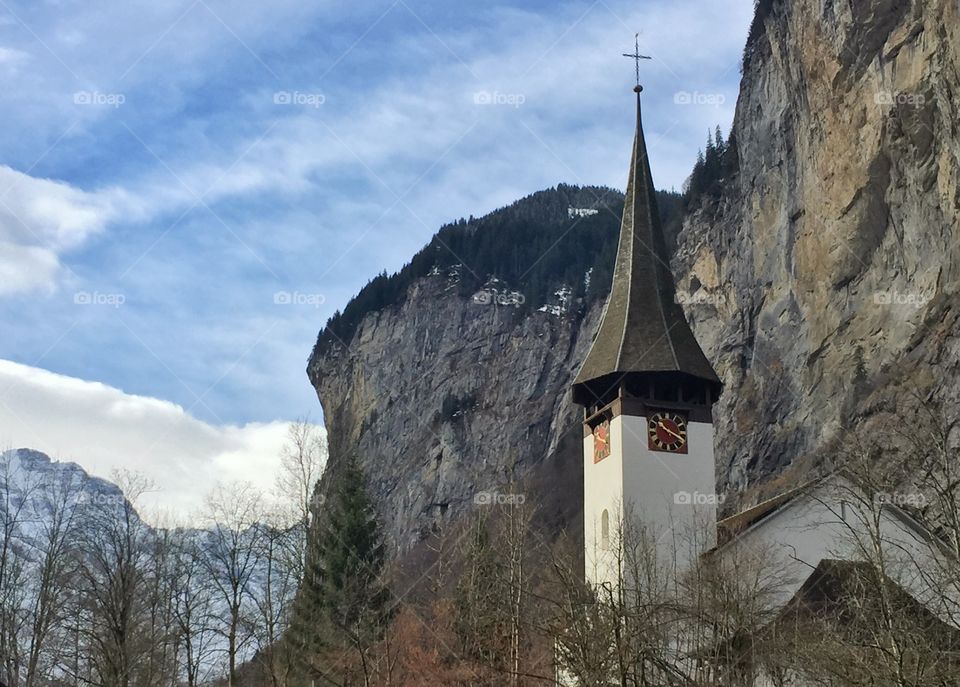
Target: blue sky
{"points": [[170, 170]]}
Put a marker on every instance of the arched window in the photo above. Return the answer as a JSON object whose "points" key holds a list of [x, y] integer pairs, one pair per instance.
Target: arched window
{"points": [[605, 530]]}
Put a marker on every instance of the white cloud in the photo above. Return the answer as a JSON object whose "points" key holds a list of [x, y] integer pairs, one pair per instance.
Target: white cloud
{"points": [[304, 200], [26, 268], [40, 219], [103, 429], [399, 130], [394, 133]]}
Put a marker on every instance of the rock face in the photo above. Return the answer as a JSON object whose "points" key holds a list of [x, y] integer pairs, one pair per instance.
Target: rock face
{"points": [[821, 284], [446, 400], [829, 269]]}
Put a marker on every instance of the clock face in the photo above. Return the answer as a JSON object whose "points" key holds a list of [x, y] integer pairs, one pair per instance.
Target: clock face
{"points": [[667, 431], [601, 441]]}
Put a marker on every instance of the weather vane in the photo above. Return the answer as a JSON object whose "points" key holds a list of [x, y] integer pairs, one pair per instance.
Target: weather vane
{"points": [[637, 57]]}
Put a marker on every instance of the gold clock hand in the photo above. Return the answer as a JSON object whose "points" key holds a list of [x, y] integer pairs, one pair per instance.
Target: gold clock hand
{"points": [[670, 431]]}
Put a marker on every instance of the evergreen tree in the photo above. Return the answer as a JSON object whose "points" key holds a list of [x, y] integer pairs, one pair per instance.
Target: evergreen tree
{"points": [[761, 10], [533, 246], [719, 143], [342, 605], [713, 167]]}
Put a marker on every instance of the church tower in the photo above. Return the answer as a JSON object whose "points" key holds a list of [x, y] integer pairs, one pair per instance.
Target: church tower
{"points": [[647, 391]]}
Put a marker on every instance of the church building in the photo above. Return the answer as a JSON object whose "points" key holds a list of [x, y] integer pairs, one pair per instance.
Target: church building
{"points": [[648, 393]]}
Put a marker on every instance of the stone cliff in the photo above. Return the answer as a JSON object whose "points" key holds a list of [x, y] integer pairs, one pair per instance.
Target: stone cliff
{"points": [[821, 283], [450, 394], [826, 276]]}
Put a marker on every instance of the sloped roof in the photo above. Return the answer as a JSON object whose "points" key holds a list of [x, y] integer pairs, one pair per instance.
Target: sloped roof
{"points": [[846, 593], [731, 527], [739, 522], [643, 327]]}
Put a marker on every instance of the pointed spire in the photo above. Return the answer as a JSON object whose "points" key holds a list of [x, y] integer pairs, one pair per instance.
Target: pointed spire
{"points": [[643, 337]]}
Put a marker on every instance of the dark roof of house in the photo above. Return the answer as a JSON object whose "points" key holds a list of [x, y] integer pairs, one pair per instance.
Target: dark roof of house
{"points": [[643, 327], [847, 595]]}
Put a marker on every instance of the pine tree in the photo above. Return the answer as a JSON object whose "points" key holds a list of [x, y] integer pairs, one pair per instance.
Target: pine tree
{"points": [[342, 604], [719, 143]]}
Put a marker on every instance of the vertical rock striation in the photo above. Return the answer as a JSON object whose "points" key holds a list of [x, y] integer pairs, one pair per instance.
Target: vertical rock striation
{"points": [[829, 268]]}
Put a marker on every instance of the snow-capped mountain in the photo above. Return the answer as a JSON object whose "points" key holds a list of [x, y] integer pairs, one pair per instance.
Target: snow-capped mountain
{"points": [[74, 554]]}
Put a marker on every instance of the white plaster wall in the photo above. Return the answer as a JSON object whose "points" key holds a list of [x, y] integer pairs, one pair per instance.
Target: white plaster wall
{"points": [[674, 494], [809, 529], [602, 490], [645, 485]]}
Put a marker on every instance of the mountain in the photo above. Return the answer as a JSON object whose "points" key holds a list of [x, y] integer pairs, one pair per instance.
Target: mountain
{"points": [[827, 271], [451, 375], [73, 548], [30, 482], [819, 274]]}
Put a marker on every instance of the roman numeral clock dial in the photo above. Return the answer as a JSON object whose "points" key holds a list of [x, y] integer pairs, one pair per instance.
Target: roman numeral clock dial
{"points": [[667, 431]]}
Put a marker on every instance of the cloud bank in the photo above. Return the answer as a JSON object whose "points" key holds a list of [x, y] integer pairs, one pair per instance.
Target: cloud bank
{"points": [[103, 429]]}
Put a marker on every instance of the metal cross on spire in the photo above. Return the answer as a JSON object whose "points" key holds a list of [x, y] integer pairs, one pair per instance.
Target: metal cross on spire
{"points": [[637, 56]]}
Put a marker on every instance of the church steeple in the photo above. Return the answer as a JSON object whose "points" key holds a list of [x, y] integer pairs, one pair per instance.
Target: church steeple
{"points": [[647, 391], [644, 347]]}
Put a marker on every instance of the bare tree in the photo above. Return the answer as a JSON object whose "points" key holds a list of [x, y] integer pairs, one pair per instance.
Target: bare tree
{"points": [[17, 489], [884, 611], [54, 548], [728, 599], [580, 625], [192, 601], [272, 597], [663, 618], [230, 556], [302, 461], [113, 567]]}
